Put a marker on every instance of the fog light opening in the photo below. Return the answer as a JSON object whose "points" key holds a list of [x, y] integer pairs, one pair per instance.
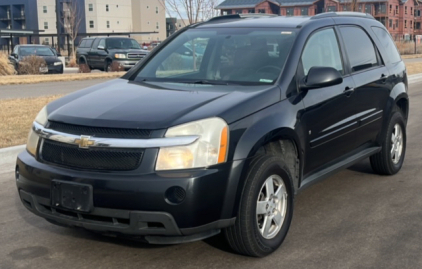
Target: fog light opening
{"points": [[175, 195]]}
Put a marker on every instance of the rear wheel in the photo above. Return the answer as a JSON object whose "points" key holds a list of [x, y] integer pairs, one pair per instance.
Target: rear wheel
{"points": [[265, 210], [390, 159], [107, 66]]}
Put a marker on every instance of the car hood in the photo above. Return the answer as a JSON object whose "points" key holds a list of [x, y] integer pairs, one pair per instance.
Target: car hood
{"points": [[123, 104]]}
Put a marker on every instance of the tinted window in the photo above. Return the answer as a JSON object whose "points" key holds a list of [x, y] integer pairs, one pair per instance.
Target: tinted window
{"points": [[89, 43], [96, 42], [322, 50], [388, 44], [237, 55], [35, 50], [359, 48], [122, 43], [83, 44]]}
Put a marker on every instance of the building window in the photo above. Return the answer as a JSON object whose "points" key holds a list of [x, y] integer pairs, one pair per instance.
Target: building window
{"points": [[46, 41], [405, 23], [418, 25], [107, 9], [91, 7], [304, 11], [405, 10], [290, 11], [157, 25], [346, 8], [391, 8], [411, 24], [44, 9], [156, 10], [397, 23], [397, 9], [91, 24], [118, 22], [238, 11], [382, 9], [411, 11], [368, 9], [45, 25], [261, 10], [419, 13], [108, 24], [332, 9], [251, 10], [390, 23]]}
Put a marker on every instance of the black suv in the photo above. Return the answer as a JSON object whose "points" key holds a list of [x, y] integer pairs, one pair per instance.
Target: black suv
{"points": [[223, 135], [101, 52]]}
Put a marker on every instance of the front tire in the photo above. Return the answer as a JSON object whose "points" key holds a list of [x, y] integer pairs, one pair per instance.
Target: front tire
{"points": [[265, 210], [390, 159]]}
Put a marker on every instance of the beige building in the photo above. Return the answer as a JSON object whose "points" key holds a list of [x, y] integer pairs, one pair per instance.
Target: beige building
{"points": [[149, 16], [47, 19], [108, 16]]}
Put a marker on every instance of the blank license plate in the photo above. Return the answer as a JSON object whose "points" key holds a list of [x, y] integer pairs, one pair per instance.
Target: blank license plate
{"points": [[73, 196]]}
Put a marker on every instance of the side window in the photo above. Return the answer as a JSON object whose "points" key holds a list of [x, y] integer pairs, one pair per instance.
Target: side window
{"points": [[359, 48], [388, 44], [83, 43], [96, 42], [102, 43], [322, 50], [89, 42]]}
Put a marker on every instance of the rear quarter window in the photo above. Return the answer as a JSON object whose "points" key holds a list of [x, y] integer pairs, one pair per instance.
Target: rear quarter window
{"points": [[387, 42], [82, 44], [89, 43]]}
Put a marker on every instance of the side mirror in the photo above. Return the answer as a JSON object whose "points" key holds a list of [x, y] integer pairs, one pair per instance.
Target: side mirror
{"points": [[101, 47], [319, 77], [14, 55]]}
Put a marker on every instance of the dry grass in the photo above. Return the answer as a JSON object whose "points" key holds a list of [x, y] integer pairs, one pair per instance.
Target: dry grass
{"points": [[84, 68], [72, 63], [414, 68], [16, 117], [412, 56], [29, 79], [31, 65], [6, 68]]}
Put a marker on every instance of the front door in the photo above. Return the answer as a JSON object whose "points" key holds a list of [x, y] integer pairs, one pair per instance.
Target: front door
{"points": [[329, 117]]}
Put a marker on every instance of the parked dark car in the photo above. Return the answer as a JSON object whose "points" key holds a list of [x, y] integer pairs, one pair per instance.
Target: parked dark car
{"points": [[54, 64], [173, 154], [101, 52]]}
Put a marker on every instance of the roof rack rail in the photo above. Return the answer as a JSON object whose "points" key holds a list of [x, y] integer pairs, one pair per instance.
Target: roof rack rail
{"points": [[242, 16], [342, 14]]}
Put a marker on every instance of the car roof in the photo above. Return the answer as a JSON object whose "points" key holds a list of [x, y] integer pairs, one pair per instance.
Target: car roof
{"points": [[32, 45], [110, 37], [269, 20]]}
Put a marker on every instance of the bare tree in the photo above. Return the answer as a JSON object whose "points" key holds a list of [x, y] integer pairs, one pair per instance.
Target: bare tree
{"points": [[71, 22], [192, 10]]}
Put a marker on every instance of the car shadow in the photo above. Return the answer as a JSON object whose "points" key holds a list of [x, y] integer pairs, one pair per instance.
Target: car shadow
{"points": [[362, 167]]}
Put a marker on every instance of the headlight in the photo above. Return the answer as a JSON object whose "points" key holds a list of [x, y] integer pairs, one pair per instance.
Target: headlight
{"points": [[120, 56], [211, 147], [33, 138], [58, 63]]}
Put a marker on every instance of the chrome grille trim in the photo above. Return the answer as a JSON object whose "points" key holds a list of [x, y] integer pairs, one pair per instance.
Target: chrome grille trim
{"points": [[99, 142]]}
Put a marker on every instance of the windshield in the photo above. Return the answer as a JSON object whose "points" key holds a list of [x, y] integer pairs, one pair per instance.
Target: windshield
{"points": [[221, 56], [38, 51], [122, 43]]}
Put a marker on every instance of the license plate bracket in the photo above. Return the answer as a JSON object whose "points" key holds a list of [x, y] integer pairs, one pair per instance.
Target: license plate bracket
{"points": [[73, 196]]}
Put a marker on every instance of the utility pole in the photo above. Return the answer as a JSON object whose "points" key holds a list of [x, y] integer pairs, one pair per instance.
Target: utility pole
{"points": [[58, 24]]}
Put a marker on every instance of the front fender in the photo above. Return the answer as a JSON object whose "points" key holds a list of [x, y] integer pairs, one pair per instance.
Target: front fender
{"points": [[248, 135]]}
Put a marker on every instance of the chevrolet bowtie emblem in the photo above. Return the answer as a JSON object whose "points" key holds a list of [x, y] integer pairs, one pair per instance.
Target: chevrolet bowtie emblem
{"points": [[84, 142]]}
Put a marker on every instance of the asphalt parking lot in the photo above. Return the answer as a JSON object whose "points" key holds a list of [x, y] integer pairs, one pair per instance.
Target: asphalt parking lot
{"points": [[355, 219]]}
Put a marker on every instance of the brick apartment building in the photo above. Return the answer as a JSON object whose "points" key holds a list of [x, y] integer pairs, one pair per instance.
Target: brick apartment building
{"points": [[401, 17]]}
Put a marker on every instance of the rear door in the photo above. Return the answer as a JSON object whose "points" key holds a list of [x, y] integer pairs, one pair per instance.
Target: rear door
{"points": [[330, 111], [371, 77]]}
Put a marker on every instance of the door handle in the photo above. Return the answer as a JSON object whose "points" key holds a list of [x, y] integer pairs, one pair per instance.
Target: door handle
{"points": [[348, 91]]}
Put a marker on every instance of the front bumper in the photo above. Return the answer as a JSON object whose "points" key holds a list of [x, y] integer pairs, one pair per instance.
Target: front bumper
{"points": [[55, 69], [128, 63], [134, 203]]}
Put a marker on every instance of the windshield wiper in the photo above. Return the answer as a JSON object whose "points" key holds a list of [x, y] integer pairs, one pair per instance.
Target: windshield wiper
{"points": [[205, 82]]}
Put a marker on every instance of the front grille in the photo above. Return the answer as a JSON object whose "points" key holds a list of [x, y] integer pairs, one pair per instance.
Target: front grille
{"points": [[136, 55], [98, 131], [101, 159]]}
